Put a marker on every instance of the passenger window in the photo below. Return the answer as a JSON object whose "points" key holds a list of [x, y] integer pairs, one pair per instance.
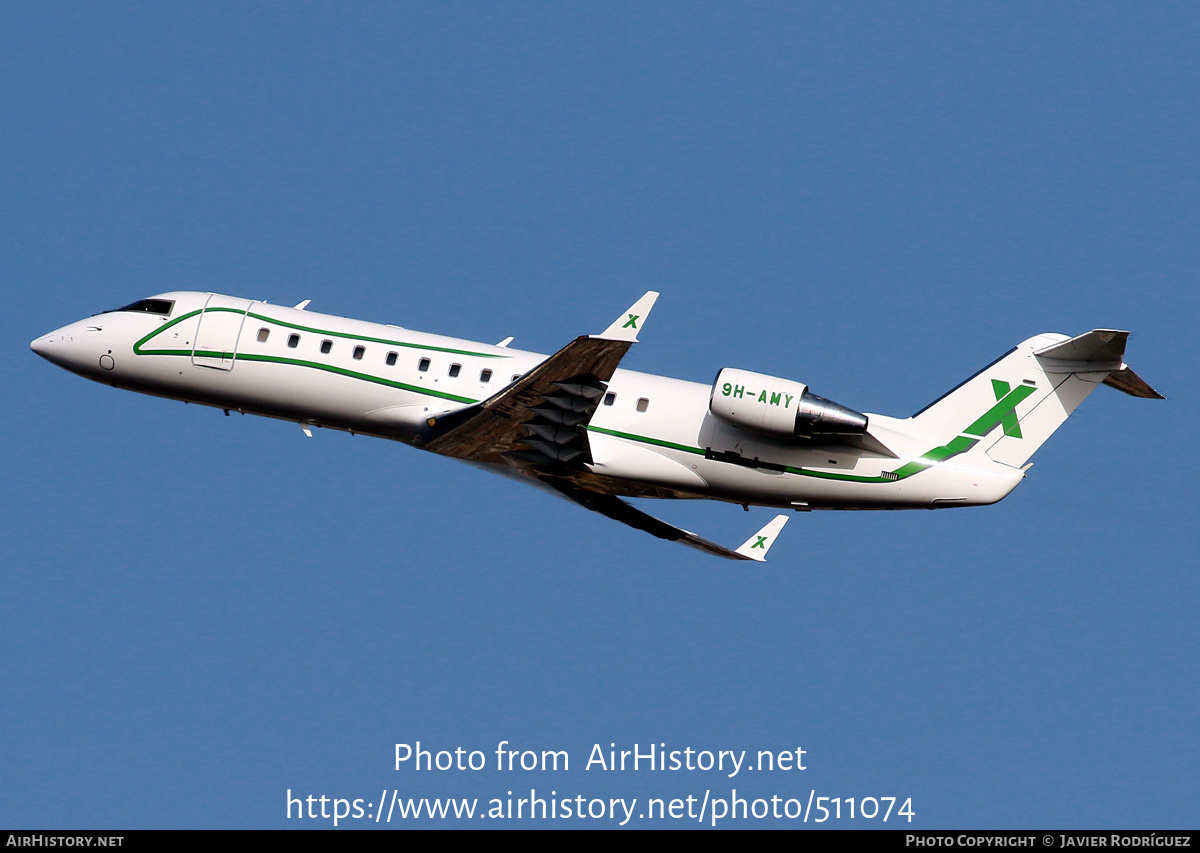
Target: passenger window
{"points": [[326, 346], [391, 359], [485, 375], [263, 334], [610, 398], [516, 376], [643, 404], [359, 352], [454, 369], [293, 341], [423, 365]]}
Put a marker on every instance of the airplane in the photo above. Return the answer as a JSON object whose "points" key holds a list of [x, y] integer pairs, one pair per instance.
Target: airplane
{"points": [[578, 425]]}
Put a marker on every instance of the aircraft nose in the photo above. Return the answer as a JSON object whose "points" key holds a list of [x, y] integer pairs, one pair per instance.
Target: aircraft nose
{"points": [[64, 348], [43, 345]]}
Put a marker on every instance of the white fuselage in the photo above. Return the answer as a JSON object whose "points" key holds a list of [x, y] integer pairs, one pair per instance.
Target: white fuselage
{"points": [[651, 435]]}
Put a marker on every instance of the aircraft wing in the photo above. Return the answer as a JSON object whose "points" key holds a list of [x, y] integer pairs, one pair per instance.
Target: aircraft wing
{"points": [[754, 548], [539, 420], [538, 424]]}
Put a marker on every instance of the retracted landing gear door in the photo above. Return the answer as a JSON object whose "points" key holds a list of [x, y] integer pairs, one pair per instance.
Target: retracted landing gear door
{"points": [[220, 327]]}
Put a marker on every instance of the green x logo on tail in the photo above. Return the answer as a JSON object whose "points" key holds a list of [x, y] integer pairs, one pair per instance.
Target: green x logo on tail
{"points": [[631, 323], [1009, 421], [1004, 412]]}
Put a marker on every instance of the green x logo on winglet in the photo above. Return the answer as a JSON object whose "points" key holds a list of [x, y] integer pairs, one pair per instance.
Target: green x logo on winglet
{"points": [[631, 323], [761, 543]]}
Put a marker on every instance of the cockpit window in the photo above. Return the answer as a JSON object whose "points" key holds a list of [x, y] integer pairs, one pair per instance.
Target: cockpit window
{"points": [[148, 306]]}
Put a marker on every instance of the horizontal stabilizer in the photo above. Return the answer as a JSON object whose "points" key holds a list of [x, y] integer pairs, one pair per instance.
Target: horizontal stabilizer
{"points": [[1097, 351], [1132, 384], [1099, 347]]}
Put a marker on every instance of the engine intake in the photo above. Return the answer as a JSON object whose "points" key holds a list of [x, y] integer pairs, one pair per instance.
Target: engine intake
{"points": [[779, 407]]}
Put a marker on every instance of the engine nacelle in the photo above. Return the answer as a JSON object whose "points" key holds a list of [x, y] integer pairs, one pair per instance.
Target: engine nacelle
{"points": [[779, 407]]}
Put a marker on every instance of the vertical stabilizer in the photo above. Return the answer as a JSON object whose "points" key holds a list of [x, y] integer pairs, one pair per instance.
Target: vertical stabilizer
{"points": [[1009, 409]]}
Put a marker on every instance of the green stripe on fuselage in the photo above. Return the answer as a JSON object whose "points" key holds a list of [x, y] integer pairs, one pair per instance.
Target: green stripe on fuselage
{"points": [[137, 347], [1003, 412], [315, 365]]}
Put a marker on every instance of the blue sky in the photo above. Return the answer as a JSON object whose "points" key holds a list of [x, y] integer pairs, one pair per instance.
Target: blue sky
{"points": [[201, 612]]}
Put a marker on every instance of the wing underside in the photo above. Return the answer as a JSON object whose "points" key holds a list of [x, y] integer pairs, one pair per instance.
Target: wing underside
{"points": [[538, 425], [540, 418], [755, 548]]}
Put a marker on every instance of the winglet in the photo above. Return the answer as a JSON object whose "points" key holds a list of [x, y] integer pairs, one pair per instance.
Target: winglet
{"points": [[627, 326], [756, 547]]}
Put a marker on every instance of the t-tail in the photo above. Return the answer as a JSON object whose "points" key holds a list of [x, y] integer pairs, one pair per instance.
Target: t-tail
{"points": [[1008, 409]]}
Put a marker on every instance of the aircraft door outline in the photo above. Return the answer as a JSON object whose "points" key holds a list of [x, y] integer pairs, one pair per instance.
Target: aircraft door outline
{"points": [[219, 331]]}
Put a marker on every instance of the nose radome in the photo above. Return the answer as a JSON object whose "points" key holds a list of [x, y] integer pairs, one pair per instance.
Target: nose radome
{"points": [[58, 347]]}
